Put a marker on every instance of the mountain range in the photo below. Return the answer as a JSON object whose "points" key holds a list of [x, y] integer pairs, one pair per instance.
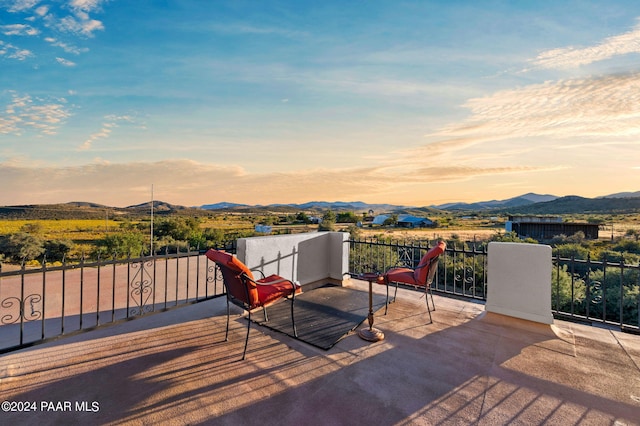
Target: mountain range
{"points": [[551, 204], [531, 203]]}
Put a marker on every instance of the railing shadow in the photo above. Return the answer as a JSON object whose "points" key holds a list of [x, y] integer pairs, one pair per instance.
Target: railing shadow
{"points": [[462, 369]]}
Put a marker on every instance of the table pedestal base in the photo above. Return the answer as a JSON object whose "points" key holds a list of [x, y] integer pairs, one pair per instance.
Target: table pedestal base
{"points": [[371, 334]]}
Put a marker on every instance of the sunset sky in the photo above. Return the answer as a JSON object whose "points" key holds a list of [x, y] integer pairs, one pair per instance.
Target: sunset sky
{"points": [[258, 102]]}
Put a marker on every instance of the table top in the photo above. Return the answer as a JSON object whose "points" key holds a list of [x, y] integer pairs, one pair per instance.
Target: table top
{"points": [[370, 275]]}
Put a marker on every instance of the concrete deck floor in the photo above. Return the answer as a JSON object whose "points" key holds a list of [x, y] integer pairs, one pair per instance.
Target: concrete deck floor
{"points": [[468, 367]]}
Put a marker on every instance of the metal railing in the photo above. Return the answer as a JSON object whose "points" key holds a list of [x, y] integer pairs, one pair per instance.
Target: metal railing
{"points": [[587, 291], [40, 304], [597, 291], [461, 270]]}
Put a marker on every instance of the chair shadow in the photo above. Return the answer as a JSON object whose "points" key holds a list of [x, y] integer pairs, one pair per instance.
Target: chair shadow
{"points": [[469, 369]]}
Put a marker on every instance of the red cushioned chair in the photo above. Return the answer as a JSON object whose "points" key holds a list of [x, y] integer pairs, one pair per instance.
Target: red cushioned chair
{"points": [[245, 291], [421, 276]]}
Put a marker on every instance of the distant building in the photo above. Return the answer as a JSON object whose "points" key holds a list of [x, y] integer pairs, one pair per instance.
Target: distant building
{"points": [[379, 219], [263, 229], [408, 221], [547, 227]]}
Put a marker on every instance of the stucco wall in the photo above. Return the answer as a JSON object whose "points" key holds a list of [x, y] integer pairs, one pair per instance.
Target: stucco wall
{"points": [[305, 258], [519, 281]]}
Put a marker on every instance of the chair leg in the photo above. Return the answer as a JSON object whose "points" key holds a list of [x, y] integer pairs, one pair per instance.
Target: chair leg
{"points": [[226, 334], [432, 302], [386, 303], [293, 320], [246, 340], [426, 298], [395, 294]]}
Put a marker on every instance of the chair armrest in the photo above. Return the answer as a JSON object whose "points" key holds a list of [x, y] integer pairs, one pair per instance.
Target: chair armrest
{"points": [[282, 280], [258, 270]]}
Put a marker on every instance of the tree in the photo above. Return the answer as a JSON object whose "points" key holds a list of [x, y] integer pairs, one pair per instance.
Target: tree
{"points": [[302, 217], [22, 246], [354, 232], [347, 217], [391, 220], [57, 250], [633, 233], [629, 246], [122, 243], [179, 228], [32, 228], [569, 250], [328, 221]]}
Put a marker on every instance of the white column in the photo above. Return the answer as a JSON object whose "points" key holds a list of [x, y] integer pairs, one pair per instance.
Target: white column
{"points": [[519, 281]]}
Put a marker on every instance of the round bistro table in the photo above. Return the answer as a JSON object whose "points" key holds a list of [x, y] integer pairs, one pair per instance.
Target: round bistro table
{"points": [[370, 334]]}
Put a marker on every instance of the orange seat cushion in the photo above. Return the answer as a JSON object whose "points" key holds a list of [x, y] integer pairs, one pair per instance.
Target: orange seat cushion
{"points": [[259, 295], [278, 287], [401, 275]]}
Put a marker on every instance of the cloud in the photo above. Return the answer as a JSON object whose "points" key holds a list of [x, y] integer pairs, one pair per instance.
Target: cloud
{"points": [[22, 5], [242, 29], [118, 184], [521, 130], [111, 121], [12, 52], [23, 112], [572, 57], [65, 46], [73, 18], [189, 182], [18, 29], [589, 108], [65, 62], [86, 5], [79, 24], [42, 10]]}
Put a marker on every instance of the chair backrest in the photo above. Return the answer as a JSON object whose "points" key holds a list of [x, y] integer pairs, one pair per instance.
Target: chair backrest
{"points": [[426, 269], [233, 270]]}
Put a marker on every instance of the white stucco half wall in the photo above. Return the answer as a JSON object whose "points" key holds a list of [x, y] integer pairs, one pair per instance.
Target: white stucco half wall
{"points": [[305, 258], [519, 281]]}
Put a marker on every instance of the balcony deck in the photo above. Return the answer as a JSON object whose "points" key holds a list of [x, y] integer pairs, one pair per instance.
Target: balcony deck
{"points": [[468, 367]]}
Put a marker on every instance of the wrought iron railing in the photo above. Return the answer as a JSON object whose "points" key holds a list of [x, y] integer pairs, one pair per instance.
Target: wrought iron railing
{"points": [[582, 290], [597, 291], [461, 270], [39, 304]]}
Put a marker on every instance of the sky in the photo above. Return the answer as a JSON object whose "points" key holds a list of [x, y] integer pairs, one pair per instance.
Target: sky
{"points": [[412, 103]]}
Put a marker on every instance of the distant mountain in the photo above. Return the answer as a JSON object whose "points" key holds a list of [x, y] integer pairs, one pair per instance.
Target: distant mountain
{"points": [[358, 206], [158, 207], [574, 204], [522, 200], [86, 210], [222, 205], [623, 195], [534, 204], [86, 204]]}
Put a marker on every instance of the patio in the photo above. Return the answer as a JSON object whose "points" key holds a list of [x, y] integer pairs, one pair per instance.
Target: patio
{"points": [[468, 367]]}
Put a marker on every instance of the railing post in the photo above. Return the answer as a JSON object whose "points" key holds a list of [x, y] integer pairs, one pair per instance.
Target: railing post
{"points": [[98, 292], [588, 286], [44, 281]]}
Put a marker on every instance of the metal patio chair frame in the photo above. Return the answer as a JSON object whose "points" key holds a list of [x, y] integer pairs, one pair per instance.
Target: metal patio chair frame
{"points": [[248, 293]]}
